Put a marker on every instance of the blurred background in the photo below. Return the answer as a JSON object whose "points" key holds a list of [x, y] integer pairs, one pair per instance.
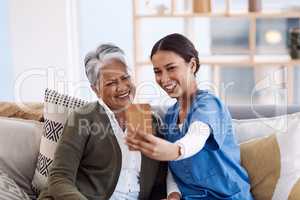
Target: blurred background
{"points": [[249, 49]]}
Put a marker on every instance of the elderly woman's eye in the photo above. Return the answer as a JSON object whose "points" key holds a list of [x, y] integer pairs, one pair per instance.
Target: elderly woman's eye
{"points": [[110, 83], [126, 77]]}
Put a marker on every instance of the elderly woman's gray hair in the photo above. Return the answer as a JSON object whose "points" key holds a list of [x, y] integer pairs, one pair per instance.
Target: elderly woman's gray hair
{"points": [[94, 60]]}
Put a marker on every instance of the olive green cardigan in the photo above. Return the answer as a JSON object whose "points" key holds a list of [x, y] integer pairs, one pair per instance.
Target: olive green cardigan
{"points": [[87, 161]]}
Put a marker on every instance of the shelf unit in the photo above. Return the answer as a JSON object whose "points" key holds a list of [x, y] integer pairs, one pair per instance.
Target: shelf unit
{"points": [[220, 61], [237, 14]]}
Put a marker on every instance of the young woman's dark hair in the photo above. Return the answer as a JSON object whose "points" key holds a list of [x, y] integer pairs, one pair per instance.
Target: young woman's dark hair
{"points": [[178, 44]]}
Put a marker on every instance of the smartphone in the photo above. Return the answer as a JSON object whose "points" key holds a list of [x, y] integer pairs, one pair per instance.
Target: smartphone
{"points": [[139, 117]]}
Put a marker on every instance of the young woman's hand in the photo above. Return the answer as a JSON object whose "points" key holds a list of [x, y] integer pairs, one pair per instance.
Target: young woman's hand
{"points": [[153, 147]]}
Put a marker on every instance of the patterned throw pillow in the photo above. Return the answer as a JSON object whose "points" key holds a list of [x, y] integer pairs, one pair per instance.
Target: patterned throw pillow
{"points": [[273, 163], [57, 107], [9, 190]]}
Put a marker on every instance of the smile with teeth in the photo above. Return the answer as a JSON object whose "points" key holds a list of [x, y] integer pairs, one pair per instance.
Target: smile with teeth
{"points": [[124, 95], [170, 87]]}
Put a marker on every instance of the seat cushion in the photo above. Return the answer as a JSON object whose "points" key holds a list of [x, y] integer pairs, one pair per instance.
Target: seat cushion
{"points": [[247, 129], [9, 190], [19, 146]]}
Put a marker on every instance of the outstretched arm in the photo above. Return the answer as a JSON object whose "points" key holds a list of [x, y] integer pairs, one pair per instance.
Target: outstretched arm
{"points": [[160, 149]]}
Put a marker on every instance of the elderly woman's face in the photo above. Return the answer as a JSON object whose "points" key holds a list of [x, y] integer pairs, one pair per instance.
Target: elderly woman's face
{"points": [[115, 85]]}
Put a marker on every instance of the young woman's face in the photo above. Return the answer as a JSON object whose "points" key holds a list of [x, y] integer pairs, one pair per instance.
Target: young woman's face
{"points": [[115, 85], [173, 73]]}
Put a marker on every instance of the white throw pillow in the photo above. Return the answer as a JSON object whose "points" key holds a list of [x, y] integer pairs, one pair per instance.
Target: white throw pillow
{"points": [[57, 107], [19, 147], [248, 129]]}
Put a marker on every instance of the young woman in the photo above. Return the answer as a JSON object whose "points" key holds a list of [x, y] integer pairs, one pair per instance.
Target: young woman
{"points": [[203, 153]]}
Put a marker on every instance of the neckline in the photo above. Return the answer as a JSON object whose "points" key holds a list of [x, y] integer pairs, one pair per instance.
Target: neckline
{"points": [[177, 109]]}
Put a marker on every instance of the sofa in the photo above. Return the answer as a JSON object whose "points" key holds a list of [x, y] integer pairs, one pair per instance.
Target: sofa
{"points": [[19, 146]]}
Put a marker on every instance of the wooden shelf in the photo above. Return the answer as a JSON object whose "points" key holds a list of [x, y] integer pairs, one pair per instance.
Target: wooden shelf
{"points": [[275, 60], [216, 15], [276, 15], [250, 57], [242, 60]]}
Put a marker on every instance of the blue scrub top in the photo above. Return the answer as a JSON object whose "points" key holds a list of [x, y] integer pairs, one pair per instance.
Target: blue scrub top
{"points": [[214, 172]]}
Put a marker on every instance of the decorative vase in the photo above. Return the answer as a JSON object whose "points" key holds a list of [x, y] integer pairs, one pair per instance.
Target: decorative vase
{"points": [[254, 5], [201, 6], [294, 42]]}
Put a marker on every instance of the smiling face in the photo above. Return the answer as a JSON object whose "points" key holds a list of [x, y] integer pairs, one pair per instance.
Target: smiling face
{"points": [[115, 86], [173, 73]]}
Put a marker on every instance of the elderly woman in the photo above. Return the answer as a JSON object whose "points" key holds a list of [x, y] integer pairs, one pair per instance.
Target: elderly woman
{"points": [[92, 161]]}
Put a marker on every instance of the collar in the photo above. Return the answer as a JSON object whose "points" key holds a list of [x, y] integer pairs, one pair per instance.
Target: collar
{"points": [[110, 113], [106, 108]]}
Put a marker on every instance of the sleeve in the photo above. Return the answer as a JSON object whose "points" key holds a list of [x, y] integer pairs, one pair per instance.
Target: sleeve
{"points": [[159, 189], [194, 140], [61, 182], [210, 111], [171, 184]]}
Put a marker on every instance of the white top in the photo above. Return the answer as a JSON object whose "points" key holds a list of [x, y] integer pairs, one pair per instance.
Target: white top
{"points": [[193, 141], [128, 186]]}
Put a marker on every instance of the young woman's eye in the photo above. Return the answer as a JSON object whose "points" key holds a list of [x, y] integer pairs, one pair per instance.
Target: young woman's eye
{"points": [[157, 72], [171, 68]]}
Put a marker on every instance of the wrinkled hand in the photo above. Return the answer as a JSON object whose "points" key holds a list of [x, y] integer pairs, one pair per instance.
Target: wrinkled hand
{"points": [[153, 147], [173, 196]]}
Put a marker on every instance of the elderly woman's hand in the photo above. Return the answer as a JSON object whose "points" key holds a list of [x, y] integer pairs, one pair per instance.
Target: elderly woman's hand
{"points": [[173, 196], [153, 147]]}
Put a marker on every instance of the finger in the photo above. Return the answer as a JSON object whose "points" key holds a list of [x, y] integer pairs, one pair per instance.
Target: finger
{"points": [[143, 145], [149, 138], [131, 140], [131, 132], [147, 152], [131, 143], [133, 148], [147, 148], [137, 144]]}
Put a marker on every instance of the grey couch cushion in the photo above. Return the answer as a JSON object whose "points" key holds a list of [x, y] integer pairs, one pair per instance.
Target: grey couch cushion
{"points": [[9, 190], [259, 111], [19, 145], [248, 111]]}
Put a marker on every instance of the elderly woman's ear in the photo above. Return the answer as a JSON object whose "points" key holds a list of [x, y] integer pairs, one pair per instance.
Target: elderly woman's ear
{"points": [[94, 88]]}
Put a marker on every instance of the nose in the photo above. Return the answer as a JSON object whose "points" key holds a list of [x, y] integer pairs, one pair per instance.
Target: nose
{"points": [[164, 78], [123, 86]]}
